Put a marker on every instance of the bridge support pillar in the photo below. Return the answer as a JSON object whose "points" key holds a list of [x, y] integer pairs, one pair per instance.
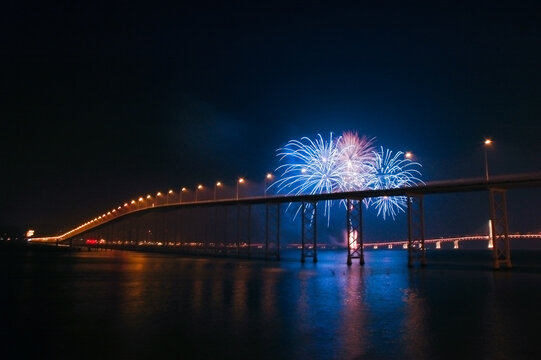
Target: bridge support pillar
{"points": [[309, 231], [416, 230], [500, 228], [272, 233], [354, 224]]}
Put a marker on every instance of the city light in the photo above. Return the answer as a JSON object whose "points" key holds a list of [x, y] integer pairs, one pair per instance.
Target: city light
{"points": [[268, 178], [199, 187], [488, 143], [216, 186], [239, 181]]}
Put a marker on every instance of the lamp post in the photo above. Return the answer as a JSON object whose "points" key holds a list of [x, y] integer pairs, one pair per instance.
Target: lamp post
{"points": [[158, 195], [218, 184], [180, 194], [268, 177], [170, 192], [199, 187], [239, 181], [487, 143]]}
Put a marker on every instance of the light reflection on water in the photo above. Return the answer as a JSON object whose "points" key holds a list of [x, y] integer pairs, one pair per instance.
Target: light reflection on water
{"points": [[120, 304]]}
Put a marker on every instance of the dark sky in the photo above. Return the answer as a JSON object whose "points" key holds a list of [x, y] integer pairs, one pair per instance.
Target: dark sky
{"points": [[105, 101]]}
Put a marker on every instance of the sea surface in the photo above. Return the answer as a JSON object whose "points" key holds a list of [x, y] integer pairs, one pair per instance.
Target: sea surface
{"points": [[127, 305]]}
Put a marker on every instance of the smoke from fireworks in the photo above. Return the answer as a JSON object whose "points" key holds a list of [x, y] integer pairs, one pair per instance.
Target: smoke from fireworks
{"points": [[346, 163]]}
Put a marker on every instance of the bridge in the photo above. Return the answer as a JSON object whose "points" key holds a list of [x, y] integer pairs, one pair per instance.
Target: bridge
{"points": [[250, 227]]}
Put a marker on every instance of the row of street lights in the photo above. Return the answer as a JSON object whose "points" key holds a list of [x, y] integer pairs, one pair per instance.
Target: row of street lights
{"points": [[218, 184], [140, 201], [268, 177], [198, 188]]}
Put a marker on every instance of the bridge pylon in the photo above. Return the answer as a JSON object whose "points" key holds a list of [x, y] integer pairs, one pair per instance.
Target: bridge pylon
{"points": [[354, 224], [416, 230], [309, 230], [500, 228]]}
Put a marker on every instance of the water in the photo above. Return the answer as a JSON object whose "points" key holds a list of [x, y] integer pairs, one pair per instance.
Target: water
{"points": [[130, 305]]}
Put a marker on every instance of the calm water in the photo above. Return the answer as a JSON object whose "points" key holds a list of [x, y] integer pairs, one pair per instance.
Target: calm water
{"points": [[128, 305]]}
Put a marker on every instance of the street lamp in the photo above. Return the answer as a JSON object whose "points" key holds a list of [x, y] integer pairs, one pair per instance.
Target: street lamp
{"points": [[218, 184], [199, 187], [168, 194], [268, 177], [239, 181], [180, 194], [158, 195], [487, 143]]}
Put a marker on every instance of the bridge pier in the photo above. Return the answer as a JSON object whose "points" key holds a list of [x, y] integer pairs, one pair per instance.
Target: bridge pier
{"points": [[309, 230], [354, 224], [501, 253], [416, 230]]}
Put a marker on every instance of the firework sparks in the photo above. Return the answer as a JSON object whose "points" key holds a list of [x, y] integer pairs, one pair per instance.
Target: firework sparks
{"points": [[346, 163], [357, 155], [392, 171], [314, 168]]}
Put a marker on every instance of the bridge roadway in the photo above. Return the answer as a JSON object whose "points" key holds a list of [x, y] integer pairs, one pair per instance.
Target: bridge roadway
{"points": [[497, 186]]}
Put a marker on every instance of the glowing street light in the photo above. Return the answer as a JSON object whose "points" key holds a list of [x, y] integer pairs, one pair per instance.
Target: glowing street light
{"points": [[239, 181], [169, 193], [180, 194], [218, 184], [268, 178], [199, 187], [487, 144], [158, 195]]}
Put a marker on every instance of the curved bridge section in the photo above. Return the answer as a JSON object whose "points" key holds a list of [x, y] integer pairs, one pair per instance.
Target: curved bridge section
{"points": [[251, 226]]}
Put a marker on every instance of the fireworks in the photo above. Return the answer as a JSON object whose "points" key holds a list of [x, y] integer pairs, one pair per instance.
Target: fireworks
{"points": [[357, 154], [315, 168], [389, 172], [346, 163]]}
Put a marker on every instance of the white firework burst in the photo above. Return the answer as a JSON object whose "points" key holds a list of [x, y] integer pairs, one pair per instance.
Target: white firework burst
{"points": [[392, 171]]}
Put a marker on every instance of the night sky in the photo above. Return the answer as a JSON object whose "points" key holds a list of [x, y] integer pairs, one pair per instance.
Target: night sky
{"points": [[107, 101]]}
